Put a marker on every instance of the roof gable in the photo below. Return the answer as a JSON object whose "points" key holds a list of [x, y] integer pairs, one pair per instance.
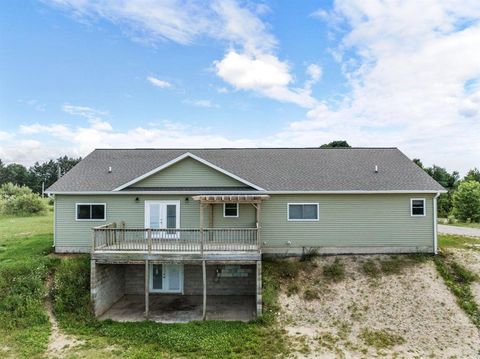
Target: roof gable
{"points": [[188, 170]]}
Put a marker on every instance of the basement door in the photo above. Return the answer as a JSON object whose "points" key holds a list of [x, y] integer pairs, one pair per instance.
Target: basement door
{"points": [[166, 278]]}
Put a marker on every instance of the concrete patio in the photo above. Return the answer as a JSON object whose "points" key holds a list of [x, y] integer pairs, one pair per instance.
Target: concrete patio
{"points": [[182, 308]]}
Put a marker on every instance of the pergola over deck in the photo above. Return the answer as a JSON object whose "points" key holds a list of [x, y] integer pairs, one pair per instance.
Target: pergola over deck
{"points": [[207, 201]]}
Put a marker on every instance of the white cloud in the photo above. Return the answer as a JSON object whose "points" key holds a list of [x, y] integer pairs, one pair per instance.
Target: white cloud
{"points": [[407, 64], [158, 83], [57, 140], [238, 24], [262, 73], [202, 103], [83, 111]]}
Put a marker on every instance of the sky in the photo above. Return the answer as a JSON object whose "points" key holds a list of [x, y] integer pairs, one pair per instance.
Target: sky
{"points": [[76, 75]]}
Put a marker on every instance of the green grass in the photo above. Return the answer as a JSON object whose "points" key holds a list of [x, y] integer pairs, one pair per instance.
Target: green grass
{"points": [[455, 241], [25, 243], [381, 339], [458, 279], [24, 267], [334, 272]]}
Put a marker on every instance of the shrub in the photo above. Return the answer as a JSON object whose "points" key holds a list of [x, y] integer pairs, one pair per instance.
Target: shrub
{"points": [[334, 271], [451, 219], [71, 289], [466, 201], [17, 200], [370, 268], [309, 255], [288, 269]]}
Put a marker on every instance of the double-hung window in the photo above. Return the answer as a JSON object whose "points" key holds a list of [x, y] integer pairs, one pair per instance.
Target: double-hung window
{"points": [[303, 212], [230, 210], [90, 212], [417, 207]]}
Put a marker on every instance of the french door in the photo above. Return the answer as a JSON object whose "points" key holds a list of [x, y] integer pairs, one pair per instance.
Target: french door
{"points": [[162, 215], [166, 278]]}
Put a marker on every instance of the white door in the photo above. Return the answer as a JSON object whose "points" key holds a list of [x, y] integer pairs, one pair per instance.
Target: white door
{"points": [[162, 215], [166, 278]]}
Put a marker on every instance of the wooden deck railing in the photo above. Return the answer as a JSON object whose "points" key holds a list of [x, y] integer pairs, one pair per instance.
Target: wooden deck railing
{"points": [[112, 238]]}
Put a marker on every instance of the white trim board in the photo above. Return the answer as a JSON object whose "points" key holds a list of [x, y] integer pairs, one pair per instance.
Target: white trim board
{"points": [[424, 207], [178, 159], [246, 192]]}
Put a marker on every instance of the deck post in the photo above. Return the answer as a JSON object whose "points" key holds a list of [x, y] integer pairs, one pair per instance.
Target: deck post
{"points": [[149, 238], [259, 206], [147, 273], [259, 289], [204, 273], [201, 229]]}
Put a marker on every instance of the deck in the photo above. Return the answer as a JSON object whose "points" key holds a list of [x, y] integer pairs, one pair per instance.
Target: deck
{"points": [[110, 241]]}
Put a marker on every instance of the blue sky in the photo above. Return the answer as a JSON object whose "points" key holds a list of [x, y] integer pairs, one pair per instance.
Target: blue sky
{"points": [[81, 74]]}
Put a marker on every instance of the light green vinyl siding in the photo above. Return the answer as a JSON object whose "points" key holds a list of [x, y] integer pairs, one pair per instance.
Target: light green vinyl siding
{"points": [[345, 220], [382, 220], [188, 173], [72, 233]]}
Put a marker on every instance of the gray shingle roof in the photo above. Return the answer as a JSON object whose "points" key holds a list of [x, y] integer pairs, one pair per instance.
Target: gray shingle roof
{"points": [[274, 169]]}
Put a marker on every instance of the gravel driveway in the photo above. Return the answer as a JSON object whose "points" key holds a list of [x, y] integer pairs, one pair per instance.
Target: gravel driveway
{"points": [[462, 231]]}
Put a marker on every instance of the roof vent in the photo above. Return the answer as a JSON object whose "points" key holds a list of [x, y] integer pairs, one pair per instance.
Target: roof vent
{"points": [[109, 169], [376, 169]]}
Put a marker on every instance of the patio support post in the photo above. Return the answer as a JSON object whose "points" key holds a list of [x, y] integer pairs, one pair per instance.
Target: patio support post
{"points": [[259, 289], [204, 269], [204, 272], [147, 272]]}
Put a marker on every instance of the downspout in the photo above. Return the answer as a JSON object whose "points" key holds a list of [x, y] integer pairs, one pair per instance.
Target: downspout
{"points": [[54, 221], [435, 241]]}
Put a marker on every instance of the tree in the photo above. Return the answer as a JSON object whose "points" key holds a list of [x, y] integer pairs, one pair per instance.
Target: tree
{"points": [[447, 180], [47, 172], [418, 163], [14, 173], [335, 144], [466, 201], [472, 175]]}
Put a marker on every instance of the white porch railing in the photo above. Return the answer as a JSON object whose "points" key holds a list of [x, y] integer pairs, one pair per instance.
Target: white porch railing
{"points": [[111, 238]]}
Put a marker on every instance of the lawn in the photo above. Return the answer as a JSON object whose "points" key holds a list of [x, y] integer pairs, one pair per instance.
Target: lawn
{"points": [[25, 265]]}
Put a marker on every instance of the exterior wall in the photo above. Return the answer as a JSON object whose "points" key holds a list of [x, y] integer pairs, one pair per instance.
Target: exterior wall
{"points": [[188, 173], [76, 236], [107, 285], [234, 280], [348, 223], [357, 223]]}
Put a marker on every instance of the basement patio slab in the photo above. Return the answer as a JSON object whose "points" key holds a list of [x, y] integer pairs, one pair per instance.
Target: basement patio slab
{"points": [[165, 308]]}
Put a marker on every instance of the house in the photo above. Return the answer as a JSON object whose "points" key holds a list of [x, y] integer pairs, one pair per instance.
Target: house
{"points": [[179, 234]]}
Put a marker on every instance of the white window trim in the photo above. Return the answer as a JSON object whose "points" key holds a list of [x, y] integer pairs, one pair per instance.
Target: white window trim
{"points": [[150, 281], [91, 220], [147, 211], [238, 211], [424, 207], [303, 220]]}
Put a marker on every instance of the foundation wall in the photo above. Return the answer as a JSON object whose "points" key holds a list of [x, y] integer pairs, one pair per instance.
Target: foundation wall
{"points": [[107, 285]]}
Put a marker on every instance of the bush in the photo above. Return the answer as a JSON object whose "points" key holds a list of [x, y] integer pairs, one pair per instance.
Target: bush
{"points": [[71, 289], [466, 201], [20, 200]]}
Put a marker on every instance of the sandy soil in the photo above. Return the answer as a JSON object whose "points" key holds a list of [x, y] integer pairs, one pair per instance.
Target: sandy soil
{"points": [[470, 259], [58, 343], [414, 305]]}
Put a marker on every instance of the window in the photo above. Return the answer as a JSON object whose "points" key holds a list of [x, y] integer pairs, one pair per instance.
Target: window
{"points": [[230, 209], [90, 212], [303, 211], [417, 207]]}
